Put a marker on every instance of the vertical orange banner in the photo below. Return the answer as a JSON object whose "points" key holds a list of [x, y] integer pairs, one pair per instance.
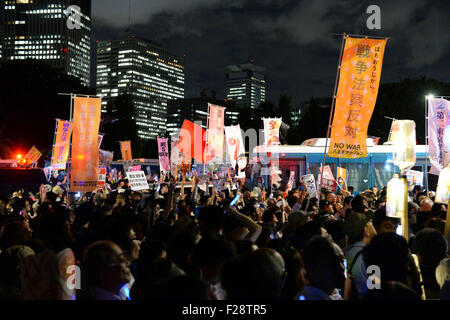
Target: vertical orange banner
{"points": [[356, 96], [125, 149], [86, 122], [62, 145]]}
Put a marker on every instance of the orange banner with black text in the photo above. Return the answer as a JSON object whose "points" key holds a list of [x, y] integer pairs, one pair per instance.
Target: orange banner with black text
{"points": [[357, 93]]}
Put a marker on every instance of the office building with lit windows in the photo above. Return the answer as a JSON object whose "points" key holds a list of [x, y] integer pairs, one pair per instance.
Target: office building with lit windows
{"points": [[39, 29], [148, 72], [246, 85]]}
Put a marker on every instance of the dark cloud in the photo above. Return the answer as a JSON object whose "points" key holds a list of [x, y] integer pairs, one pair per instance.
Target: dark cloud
{"points": [[293, 39]]}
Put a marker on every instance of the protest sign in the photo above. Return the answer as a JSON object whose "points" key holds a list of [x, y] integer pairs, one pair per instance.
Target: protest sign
{"points": [[163, 154], [33, 155], [310, 185], [415, 177], [138, 180], [101, 182]]}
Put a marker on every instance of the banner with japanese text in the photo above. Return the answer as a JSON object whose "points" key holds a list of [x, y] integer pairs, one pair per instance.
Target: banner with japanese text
{"points": [[163, 153], [438, 134], [33, 155], [125, 149], [271, 131], [85, 155], [62, 145], [359, 80], [235, 143], [215, 133]]}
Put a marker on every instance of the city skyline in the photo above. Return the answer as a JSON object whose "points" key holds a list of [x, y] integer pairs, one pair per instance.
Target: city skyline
{"points": [[297, 41]]}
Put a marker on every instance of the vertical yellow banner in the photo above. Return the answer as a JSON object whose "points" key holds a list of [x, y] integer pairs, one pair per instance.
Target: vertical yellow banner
{"points": [[356, 96], [62, 145], [86, 122]]}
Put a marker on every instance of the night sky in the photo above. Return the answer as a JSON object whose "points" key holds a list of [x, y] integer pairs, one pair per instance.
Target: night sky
{"points": [[293, 39]]}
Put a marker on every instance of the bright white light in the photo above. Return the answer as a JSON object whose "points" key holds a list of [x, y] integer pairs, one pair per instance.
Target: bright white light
{"points": [[387, 167], [430, 96]]}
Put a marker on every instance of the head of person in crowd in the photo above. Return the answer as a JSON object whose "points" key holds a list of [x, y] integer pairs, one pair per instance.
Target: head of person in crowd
{"points": [[439, 210], [106, 270], [426, 204], [293, 265], [347, 201], [391, 254], [383, 223], [326, 206], [335, 229], [210, 220], [305, 232], [242, 276], [10, 271], [208, 257], [443, 272], [323, 271], [436, 223], [359, 204], [124, 230], [331, 198], [15, 232], [356, 228], [183, 288]]}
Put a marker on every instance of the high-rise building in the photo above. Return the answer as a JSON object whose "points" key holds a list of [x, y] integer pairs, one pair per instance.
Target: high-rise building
{"points": [[50, 30], [196, 109], [246, 85], [145, 70]]}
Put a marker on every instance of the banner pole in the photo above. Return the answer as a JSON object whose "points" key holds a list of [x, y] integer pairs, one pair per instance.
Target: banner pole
{"points": [[69, 157], [54, 141], [333, 103]]}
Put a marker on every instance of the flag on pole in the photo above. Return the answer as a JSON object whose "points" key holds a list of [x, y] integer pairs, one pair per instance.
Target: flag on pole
{"points": [[192, 141], [235, 143], [85, 156], [214, 144], [357, 93], [271, 130]]}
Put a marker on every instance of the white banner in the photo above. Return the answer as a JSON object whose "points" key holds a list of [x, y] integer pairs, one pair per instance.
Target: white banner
{"points": [[438, 134], [138, 180], [291, 180], [235, 143], [214, 144], [271, 131]]}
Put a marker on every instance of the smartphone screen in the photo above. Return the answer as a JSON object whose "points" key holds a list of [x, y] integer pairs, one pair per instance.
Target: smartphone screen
{"points": [[235, 200], [345, 268]]}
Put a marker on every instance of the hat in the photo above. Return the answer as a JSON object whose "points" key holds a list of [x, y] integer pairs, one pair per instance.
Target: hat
{"points": [[443, 272], [297, 217]]}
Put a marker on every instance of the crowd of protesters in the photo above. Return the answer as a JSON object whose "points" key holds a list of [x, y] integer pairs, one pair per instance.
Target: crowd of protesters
{"points": [[180, 242]]}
